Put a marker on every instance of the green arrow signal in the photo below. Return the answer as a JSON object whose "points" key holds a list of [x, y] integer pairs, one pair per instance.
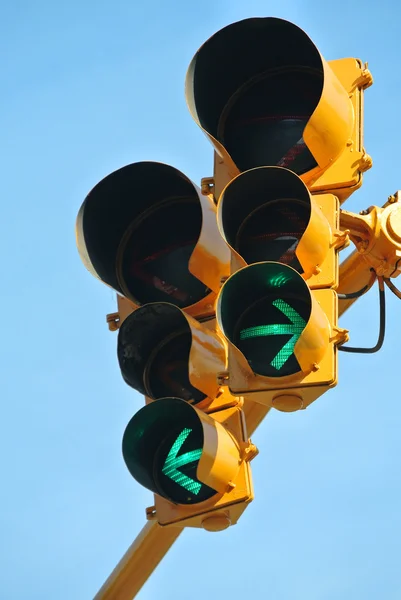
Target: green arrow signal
{"points": [[294, 328], [174, 462]]}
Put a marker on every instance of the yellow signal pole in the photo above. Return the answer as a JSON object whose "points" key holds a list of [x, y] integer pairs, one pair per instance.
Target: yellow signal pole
{"points": [[138, 563]]}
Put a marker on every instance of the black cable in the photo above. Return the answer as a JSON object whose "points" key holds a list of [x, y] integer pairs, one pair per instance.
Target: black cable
{"points": [[360, 292], [382, 327], [392, 287]]}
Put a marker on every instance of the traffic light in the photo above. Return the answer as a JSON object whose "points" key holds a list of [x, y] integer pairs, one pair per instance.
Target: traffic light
{"points": [[148, 232], [196, 464], [227, 294], [278, 309], [268, 213], [228, 298], [287, 129], [189, 443], [163, 352], [264, 95]]}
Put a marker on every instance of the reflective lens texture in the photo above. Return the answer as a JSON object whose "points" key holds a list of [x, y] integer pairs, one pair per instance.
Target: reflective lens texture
{"points": [[273, 231], [175, 466], [267, 332], [162, 446], [155, 253], [167, 370], [264, 122]]}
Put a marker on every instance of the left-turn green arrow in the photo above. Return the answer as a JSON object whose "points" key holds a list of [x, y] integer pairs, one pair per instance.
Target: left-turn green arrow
{"points": [[174, 462]]}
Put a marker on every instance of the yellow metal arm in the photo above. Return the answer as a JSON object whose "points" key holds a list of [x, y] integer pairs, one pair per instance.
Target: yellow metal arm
{"points": [[140, 560]]}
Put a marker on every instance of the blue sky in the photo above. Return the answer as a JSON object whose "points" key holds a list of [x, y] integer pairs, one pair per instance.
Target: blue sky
{"points": [[88, 87]]}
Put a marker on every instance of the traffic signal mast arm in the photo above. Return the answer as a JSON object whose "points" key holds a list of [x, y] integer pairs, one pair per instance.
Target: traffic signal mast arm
{"points": [[376, 233]]}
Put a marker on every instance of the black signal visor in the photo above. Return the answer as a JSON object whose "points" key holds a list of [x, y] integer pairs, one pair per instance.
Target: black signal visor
{"points": [[267, 80], [153, 348], [136, 231], [263, 214]]}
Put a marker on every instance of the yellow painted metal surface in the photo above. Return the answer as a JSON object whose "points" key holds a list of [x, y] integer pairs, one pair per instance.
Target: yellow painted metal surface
{"points": [[207, 358], [210, 260], [221, 456], [330, 126], [140, 560], [314, 342], [377, 236], [344, 175], [221, 176], [316, 251], [323, 248]]}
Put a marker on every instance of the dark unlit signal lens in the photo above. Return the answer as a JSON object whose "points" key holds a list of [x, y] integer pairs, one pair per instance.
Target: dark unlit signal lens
{"points": [[167, 370], [263, 124], [273, 231], [155, 254]]}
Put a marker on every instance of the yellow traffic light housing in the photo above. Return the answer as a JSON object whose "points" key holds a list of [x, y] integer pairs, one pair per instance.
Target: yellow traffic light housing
{"points": [[188, 444], [196, 464], [279, 314], [148, 232], [285, 107], [282, 336]]}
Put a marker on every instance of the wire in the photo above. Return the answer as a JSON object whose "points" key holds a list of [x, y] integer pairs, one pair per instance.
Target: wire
{"points": [[360, 292], [382, 326], [392, 287]]}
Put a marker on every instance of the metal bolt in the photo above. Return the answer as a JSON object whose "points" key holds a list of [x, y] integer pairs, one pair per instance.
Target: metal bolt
{"points": [[366, 162], [207, 185]]}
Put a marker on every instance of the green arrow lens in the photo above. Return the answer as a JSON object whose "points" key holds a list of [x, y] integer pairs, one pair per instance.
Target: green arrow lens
{"points": [[175, 467], [263, 310], [162, 446]]}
